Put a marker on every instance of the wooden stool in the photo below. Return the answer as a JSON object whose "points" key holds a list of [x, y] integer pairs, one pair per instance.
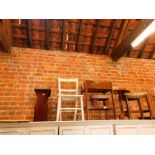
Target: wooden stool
{"points": [[105, 98], [137, 97]]}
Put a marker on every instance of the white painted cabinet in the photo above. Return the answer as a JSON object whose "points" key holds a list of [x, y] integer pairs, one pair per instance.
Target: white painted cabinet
{"points": [[147, 129], [99, 130], [13, 131], [71, 130], [124, 127], [127, 129], [43, 130]]}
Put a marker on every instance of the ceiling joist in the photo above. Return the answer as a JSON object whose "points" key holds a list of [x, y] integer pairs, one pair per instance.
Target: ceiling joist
{"points": [[5, 35], [122, 31], [47, 33], [64, 33], [152, 53], [82, 21], [142, 49], [94, 36], [110, 37], [29, 33]]}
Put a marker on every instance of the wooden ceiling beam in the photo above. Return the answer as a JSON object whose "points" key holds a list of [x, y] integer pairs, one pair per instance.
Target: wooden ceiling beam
{"points": [[82, 21], [29, 32], [47, 33], [122, 31], [129, 51], [64, 32], [94, 36], [5, 35], [140, 54], [105, 51], [152, 53], [120, 50]]}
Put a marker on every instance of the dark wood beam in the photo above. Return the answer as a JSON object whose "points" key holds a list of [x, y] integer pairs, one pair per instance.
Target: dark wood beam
{"points": [[122, 31], [120, 50], [140, 54], [82, 21], [105, 51], [47, 23], [29, 32], [152, 53], [94, 36], [64, 24], [5, 35], [129, 51]]}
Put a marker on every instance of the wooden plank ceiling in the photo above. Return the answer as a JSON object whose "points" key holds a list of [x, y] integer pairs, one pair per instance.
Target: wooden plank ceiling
{"points": [[95, 36]]}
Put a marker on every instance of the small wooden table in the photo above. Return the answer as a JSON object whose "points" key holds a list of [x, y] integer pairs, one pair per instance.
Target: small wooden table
{"points": [[41, 107]]}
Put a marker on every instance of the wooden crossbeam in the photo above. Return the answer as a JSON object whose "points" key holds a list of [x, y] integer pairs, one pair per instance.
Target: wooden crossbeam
{"points": [[47, 22], [29, 32], [152, 53], [82, 21], [121, 48], [105, 51], [140, 54], [5, 35], [94, 36], [129, 51], [122, 31], [64, 35]]}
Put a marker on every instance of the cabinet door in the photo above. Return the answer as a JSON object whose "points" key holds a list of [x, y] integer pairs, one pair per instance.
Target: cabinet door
{"points": [[99, 130], [12, 131], [43, 130], [148, 129], [127, 130], [71, 130]]}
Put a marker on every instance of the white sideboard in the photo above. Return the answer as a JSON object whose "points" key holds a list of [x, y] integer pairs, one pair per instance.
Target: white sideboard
{"points": [[107, 127]]}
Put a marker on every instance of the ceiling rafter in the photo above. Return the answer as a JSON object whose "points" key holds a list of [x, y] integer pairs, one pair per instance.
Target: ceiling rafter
{"points": [[122, 31], [5, 35], [129, 51], [94, 36], [29, 32], [152, 53], [82, 22], [64, 33], [105, 51], [140, 54], [47, 35], [120, 50]]}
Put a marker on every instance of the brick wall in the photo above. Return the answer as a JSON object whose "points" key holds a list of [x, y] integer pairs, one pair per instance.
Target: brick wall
{"points": [[26, 69]]}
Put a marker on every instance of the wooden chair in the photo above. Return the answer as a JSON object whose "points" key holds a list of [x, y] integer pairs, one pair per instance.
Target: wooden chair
{"points": [[98, 91], [137, 97], [69, 94]]}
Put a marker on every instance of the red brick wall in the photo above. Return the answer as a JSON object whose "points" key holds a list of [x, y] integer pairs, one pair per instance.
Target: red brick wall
{"points": [[26, 69]]}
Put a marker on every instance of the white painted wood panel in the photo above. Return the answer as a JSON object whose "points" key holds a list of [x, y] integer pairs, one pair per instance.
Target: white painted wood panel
{"points": [[13, 131], [43, 131], [72, 130], [147, 129], [99, 130], [127, 130]]}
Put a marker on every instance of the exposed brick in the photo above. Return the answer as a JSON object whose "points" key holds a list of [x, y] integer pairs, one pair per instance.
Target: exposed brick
{"points": [[25, 69]]}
